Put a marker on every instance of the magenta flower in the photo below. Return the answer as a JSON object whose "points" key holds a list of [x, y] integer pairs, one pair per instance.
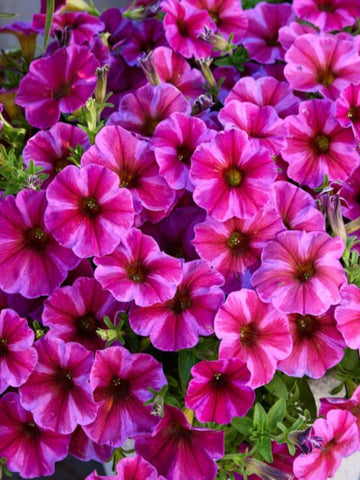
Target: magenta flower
{"points": [[174, 143], [120, 382], [178, 450], [141, 111], [183, 24], [18, 357], [58, 391], [261, 39], [351, 405], [88, 211], [178, 322], [297, 208], [138, 271], [347, 108], [254, 332], [120, 151], [322, 63], [317, 345], [234, 247], [119, 27], [351, 194], [145, 37], [231, 179], [134, 468], [328, 15], [262, 124], [265, 91], [50, 149], [289, 33], [29, 449], [83, 448], [74, 313], [60, 83], [31, 261], [301, 272], [317, 145], [340, 439], [347, 315], [219, 392]]}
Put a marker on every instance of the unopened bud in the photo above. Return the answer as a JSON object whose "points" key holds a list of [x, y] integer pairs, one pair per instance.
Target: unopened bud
{"points": [[331, 205], [147, 64], [204, 64], [214, 39], [100, 92], [264, 471]]}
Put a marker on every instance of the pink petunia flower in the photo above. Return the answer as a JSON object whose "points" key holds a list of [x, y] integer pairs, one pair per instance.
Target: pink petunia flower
{"points": [[74, 313], [58, 391], [231, 179], [119, 27], [347, 108], [254, 332], [234, 247], [50, 149], [178, 322], [301, 272], [83, 448], [340, 439], [18, 357], [32, 262], [138, 271], [317, 345], [350, 191], [328, 15], [29, 449], [219, 392], [317, 145], [289, 33], [347, 315], [178, 450], [134, 468], [87, 210], [174, 142], [322, 63], [120, 382], [261, 39], [60, 83], [133, 161]]}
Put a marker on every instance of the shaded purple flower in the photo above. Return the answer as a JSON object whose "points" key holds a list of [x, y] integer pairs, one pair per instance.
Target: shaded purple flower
{"points": [[301, 272], [219, 392], [178, 450], [32, 262], [120, 382], [87, 210], [59, 83], [347, 315], [18, 357], [119, 27], [178, 322], [74, 313], [145, 37], [58, 391], [29, 449], [138, 271]]}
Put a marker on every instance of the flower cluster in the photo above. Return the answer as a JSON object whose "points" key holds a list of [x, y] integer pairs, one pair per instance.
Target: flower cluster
{"points": [[178, 185]]}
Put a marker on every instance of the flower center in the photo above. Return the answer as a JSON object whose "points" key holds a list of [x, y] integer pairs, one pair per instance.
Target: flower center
{"points": [[248, 334], [149, 125], [89, 206], [238, 242], [62, 162], [182, 27], [64, 378], [86, 325], [233, 176], [215, 16], [128, 179], [184, 153], [326, 78], [218, 381], [137, 272], [307, 325], [62, 91], [321, 143], [31, 429], [326, 7], [180, 302], [305, 271], [354, 114], [273, 41], [3, 347], [36, 239], [180, 433], [118, 388]]}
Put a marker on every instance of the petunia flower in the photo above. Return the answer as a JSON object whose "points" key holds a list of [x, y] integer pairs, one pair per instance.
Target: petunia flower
{"points": [[230, 178], [120, 382], [133, 468], [118, 27], [301, 272], [18, 357], [347, 316], [219, 392], [58, 391], [29, 449], [32, 263], [138, 271], [178, 450], [83, 448], [254, 332], [347, 108], [60, 83], [178, 322], [87, 210], [289, 33]]}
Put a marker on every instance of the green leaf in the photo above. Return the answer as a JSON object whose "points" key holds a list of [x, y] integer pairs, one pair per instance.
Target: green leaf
{"points": [[242, 424], [306, 397], [263, 444], [8, 15], [276, 413], [186, 360], [260, 421], [337, 389], [277, 387], [50, 8]]}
